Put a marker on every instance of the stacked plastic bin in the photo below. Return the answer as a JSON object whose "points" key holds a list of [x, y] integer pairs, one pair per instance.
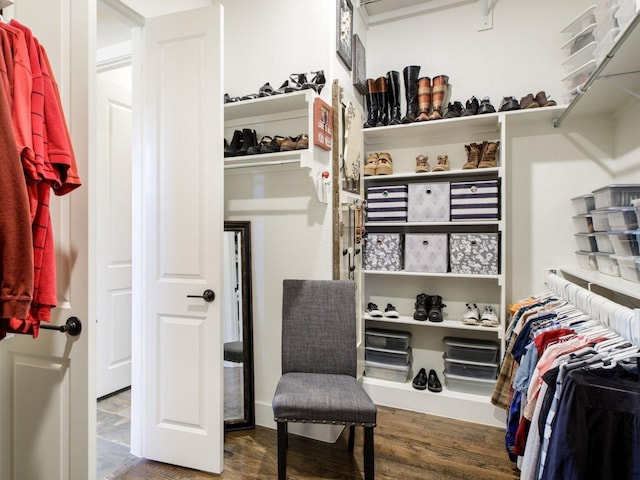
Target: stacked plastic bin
{"points": [[387, 354], [578, 50], [471, 366]]}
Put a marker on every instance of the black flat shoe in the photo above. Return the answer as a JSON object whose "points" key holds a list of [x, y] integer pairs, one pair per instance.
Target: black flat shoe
{"points": [[420, 380], [433, 382]]}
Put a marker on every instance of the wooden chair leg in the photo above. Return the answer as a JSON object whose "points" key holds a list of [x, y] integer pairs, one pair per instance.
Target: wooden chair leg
{"points": [[352, 435], [369, 461], [282, 450]]}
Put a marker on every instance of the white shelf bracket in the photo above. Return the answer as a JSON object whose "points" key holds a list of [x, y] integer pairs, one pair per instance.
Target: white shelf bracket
{"points": [[486, 15]]}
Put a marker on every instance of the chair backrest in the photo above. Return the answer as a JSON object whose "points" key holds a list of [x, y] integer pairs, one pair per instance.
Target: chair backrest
{"points": [[319, 326]]}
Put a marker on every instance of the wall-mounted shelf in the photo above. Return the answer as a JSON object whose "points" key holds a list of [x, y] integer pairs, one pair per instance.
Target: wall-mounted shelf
{"points": [[452, 324], [615, 284]]}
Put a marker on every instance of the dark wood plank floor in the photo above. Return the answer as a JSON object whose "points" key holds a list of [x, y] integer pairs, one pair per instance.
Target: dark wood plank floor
{"points": [[408, 446]]}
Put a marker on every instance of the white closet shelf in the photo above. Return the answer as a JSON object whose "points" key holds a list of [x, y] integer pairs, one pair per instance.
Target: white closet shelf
{"points": [[286, 104], [472, 172], [435, 224], [614, 284], [266, 159], [436, 275], [452, 324]]}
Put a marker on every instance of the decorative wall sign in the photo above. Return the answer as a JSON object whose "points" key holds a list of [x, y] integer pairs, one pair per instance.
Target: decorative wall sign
{"points": [[344, 29], [359, 66], [322, 124]]}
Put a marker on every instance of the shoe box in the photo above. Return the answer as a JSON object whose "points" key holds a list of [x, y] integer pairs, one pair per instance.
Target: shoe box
{"points": [[472, 201], [384, 251], [387, 354], [474, 253], [426, 252], [471, 365]]}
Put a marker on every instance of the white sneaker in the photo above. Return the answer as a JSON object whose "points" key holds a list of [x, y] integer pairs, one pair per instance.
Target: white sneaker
{"points": [[489, 317], [391, 312], [372, 310], [472, 315]]}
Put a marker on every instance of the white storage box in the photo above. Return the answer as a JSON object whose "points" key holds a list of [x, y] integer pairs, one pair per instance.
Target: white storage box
{"points": [[474, 253], [471, 350], [429, 202], [387, 203], [586, 241], [629, 267], [389, 357], [600, 220], [624, 243], [389, 339], [384, 251], [607, 264], [476, 386], [622, 218], [467, 368], [582, 55], [603, 242], [472, 201], [426, 252], [619, 195], [583, 223], [583, 203], [394, 373], [587, 260], [583, 20]]}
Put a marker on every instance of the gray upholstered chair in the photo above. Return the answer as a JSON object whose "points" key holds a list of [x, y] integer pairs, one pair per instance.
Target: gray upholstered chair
{"points": [[318, 383]]}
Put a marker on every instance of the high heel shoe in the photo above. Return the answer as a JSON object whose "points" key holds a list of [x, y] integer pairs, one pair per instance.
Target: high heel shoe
{"points": [[317, 82]]}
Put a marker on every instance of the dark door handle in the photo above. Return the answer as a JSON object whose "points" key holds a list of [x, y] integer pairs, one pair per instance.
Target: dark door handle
{"points": [[207, 295]]}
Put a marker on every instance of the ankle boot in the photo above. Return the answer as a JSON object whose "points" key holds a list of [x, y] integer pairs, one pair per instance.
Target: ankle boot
{"points": [[473, 156], [235, 145], [438, 92], [423, 304], [435, 310], [393, 83], [383, 98], [249, 139], [442, 165], [424, 99], [373, 108], [410, 75], [488, 159]]}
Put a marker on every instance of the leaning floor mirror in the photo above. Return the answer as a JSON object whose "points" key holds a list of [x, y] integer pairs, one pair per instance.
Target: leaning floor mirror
{"points": [[239, 411]]}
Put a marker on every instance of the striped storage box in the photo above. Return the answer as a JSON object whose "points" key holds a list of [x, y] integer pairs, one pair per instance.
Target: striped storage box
{"points": [[387, 203], [475, 200]]}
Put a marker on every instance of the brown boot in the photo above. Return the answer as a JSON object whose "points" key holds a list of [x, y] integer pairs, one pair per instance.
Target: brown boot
{"points": [[422, 164], [543, 101], [442, 165], [528, 102], [438, 92], [473, 156], [385, 164], [424, 99], [371, 165], [489, 150]]}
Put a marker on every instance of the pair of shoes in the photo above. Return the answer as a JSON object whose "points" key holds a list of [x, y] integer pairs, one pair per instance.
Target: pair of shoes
{"points": [[241, 142], [422, 164], [508, 104], [454, 110], [378, 164], [485, 106], [489, 317], [389, 312], [298, 81], [471, 107], [299, 142], [540, 100], [481, 155], [428, 307], [422, 381]]}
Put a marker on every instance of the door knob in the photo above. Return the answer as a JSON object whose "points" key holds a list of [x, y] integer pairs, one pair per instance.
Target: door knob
{"points": [[207, 295]]}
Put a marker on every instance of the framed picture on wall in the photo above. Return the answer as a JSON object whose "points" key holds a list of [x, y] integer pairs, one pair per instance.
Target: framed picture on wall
{"points": [[344, 29], [359, 66]]}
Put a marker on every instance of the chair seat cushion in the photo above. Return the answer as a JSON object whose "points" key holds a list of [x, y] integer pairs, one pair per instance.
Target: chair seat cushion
{"points": [[322, 398]]}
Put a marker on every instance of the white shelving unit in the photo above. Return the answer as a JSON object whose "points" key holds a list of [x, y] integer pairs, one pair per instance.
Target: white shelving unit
{"points": [[613, 284]]}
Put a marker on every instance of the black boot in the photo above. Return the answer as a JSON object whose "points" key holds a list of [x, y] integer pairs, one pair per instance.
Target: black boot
{"points": [[236, 144], [410, 75], [372, 104], [393, 83], [423, 305], [249, 139], [383, 105], [435, 309]]}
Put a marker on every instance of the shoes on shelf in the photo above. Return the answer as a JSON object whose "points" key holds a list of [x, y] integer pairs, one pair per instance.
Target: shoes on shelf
{"points": [[508, 104], [486, 107], [256, 149], [471, 316], [543, 101], [474, 151], [489, 317], [228, 99], [290, 143], [442, 165], [373, 311], [433, 382], [528, 101], [231, 149], [317, 82], [422, 306], [385, 164], [435, 309], [488, 158], [371, 165], [273, 146], [454, 110], [424, 99], [420, 380], [390, 311], [249, 139], [471, 107], [265, 90], [422, 164], [303, 142]]}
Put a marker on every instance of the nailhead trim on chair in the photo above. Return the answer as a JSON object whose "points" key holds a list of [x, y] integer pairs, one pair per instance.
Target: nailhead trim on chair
{"points": [[334, 422]]}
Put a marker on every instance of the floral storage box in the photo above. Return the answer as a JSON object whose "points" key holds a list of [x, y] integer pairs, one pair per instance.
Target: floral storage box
{"points": [[387, 203], [474, 253], [472, 201], [429, 202], [426, 252], [384, 251]]}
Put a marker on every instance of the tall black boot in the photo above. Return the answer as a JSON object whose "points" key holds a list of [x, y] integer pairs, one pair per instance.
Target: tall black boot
{"points": [[410, 75], [383, 106], [393, 83], [372, 104], [236, 144]]}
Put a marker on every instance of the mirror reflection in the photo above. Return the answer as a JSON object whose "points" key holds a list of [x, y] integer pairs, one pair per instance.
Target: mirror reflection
{"points": [[238, 330]]}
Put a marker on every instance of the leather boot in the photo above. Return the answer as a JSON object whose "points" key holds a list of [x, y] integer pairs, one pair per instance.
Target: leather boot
{"points": [[410, 75], [249, 139], [235, 145], [393, 83], [383, 105], [423, 304], [424, 99], [488, 159], [473, 156], [373, 108], [435, 310], [438, 93]]}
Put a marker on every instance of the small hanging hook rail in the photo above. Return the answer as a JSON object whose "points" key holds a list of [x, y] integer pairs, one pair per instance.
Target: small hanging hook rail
{"points": [[73, 326]]}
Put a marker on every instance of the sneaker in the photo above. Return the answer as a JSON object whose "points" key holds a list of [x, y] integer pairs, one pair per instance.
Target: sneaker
{"points": [[420, 380], [391, 312], [423, 303], [372, 310], [472, 315], [489, 317], [433, 382]]}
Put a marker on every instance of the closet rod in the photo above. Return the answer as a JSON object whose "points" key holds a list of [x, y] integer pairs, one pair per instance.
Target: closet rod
{"points": [[73, 326]]}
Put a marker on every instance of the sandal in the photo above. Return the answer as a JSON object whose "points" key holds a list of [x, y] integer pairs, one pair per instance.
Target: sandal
{"points": [[303, 142], [251, 96], [273, 146], [265, 90], [256, 149], [317, 82], [287, 87]]}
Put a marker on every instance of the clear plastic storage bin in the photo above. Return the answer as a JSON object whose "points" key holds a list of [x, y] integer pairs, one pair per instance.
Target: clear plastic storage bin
{"points": [[582, 21], [626, 11], [587, 260], [605, 24], [383, 371], [604, 45], [616, 195], [607, 264], [580, 75], [583, 223], [470, 350], [625, 243], [586, 241], [600, 220], [583, 203], [603, 242], [466, 368], [390, 357], [629, 267], [476, 386], [389, 339], [622, 218]]}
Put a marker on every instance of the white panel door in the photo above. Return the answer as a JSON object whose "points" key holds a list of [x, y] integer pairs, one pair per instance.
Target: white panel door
{"points": [[113, 262], [181, 214]]}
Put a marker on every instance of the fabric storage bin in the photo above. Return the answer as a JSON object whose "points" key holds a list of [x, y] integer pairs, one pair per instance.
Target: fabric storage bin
{"points": [[428, 202], [389, 339], [476, 386], [471, 350], [583, 223], [467, 368], [583, 204], [394, 373], [622, 218], [603, 242], [387, 203], [587, 260], [629, 267], [389, 357], [586, 241], [600, 220], [616, 195], [384, 251], [475, 200], [426, 252], [625, 242], [474, 253], [607, 264]]}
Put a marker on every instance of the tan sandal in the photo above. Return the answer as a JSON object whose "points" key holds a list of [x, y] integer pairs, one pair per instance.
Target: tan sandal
{"points": [[385, 164], [422, 164]]}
